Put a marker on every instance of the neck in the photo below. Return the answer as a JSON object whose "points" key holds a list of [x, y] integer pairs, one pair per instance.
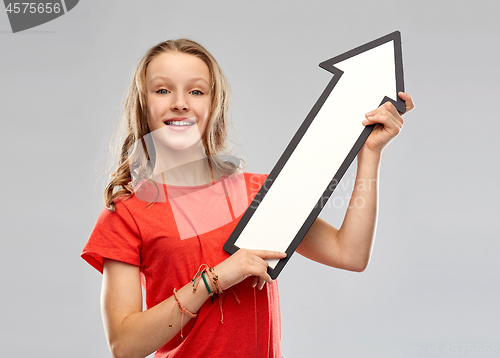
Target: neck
{"points": [[188, 167]]}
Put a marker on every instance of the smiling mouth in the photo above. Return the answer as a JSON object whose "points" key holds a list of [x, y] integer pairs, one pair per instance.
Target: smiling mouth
{"points": [[181, 123]]}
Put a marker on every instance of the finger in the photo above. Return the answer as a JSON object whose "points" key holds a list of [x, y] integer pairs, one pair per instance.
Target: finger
{"points": [[382, 117], [387, 121], [261, 284], [385, 114], [255, 281], [389, 107], [396, 118], [393, 124], [260, 270], [267, 254], [258, 265], [253, 265], [408, 100], [386, 106]]}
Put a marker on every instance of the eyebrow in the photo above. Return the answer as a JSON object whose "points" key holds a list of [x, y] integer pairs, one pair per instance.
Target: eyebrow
{"points": [[166, 79]]}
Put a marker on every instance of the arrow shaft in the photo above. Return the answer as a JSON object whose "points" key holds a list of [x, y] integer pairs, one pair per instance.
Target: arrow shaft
{"points": [[304, 177], [322, 149]]}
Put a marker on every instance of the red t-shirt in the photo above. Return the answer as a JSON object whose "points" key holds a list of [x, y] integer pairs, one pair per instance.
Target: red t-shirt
{"points": [[169, 240]]}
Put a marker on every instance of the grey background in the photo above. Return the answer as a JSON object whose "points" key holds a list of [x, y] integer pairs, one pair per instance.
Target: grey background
{"points": [[433, 279]]}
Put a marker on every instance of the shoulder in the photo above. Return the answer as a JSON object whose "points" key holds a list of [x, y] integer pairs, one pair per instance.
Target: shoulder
{"points": [[129, 212], [121, 219], [144, 194], [115, 236]]}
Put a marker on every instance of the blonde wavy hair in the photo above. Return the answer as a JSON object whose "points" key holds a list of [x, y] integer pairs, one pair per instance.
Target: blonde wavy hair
{"points": [[134, 122]]}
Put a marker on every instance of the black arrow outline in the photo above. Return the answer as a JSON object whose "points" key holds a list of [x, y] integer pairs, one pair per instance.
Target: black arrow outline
{"points": [[328, 65]]}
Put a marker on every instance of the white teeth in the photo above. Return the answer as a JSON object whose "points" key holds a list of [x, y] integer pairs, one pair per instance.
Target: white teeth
{"points": [[179, 123]]}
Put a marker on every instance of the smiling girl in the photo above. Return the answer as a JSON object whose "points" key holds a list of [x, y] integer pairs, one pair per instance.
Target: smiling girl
{"points": [[171, 242]]}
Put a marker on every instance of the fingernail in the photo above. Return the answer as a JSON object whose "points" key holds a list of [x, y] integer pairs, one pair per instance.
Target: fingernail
{"points": [[368, 114], [365, 122]]}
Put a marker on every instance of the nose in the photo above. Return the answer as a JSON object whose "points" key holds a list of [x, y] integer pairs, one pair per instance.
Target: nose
{"points": [[179, 103]]}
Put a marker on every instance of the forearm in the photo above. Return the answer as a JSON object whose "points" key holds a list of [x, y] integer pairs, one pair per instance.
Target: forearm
{"points": [[142, 333], [357, 233], [350, 247]]}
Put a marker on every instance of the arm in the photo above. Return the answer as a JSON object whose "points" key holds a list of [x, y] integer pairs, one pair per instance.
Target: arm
{"points": [[132, 332], [350, 246]]}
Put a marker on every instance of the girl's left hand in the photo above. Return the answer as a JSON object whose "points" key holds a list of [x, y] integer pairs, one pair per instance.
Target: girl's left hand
{"points": [[388, 123]]}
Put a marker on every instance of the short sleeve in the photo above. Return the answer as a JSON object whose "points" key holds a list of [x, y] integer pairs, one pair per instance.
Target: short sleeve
{"points": [[115, 236]]}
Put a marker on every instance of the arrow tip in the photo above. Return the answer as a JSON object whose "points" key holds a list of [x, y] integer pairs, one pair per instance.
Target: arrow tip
{"points": [[395, 37]]}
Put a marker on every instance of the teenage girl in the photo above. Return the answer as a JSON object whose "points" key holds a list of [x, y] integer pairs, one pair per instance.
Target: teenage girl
{"points": [[201, 302]]}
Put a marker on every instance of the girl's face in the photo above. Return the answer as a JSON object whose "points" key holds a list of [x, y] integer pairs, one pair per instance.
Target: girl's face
{"points": [[178, 96]]}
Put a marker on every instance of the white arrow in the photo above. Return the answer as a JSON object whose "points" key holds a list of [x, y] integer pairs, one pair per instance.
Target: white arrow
{"points": [[322, 149]]}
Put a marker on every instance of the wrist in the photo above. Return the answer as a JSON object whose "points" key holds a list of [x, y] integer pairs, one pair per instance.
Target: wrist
{"points": [[368, 154]]}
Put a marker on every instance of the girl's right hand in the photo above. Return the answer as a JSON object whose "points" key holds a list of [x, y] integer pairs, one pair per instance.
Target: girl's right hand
{"points": [[244, 263]]}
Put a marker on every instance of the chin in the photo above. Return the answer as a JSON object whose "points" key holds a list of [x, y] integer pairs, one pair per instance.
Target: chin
{"points": [[183, 146]]}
